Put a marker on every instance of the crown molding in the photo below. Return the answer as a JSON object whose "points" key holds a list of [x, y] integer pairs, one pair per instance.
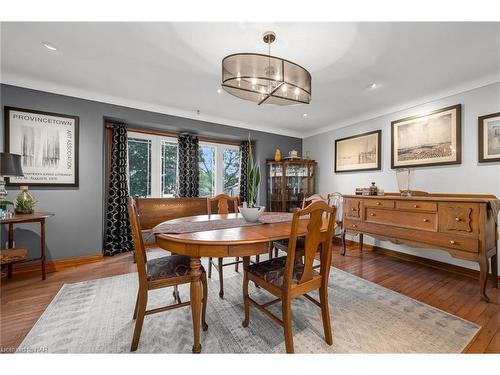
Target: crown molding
{"points": [[53, 88], [454, 90]]}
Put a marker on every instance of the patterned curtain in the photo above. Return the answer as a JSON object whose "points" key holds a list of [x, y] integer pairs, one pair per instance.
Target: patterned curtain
{"points": [[244, 149], [188, 164], [118, 235]]}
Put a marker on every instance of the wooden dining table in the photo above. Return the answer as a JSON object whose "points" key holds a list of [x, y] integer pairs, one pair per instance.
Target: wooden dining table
{"points": [[242, 241]]}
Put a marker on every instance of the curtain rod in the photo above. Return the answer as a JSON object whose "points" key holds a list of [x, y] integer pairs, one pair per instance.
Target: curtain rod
{"points": [[166, 133]]}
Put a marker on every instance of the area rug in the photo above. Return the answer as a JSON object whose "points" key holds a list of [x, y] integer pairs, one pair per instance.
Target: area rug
{"points": [[96, 317]]}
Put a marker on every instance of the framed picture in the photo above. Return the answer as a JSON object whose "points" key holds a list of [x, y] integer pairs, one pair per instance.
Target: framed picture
{"points": [[427, 140], [489, 138], [360, 152], [48, 145]]}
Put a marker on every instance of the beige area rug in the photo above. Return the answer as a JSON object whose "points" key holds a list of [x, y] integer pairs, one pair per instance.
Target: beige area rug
{"points": [[96, 317]]}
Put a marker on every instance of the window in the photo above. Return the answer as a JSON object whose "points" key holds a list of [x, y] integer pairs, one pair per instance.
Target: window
{"points": [[206, 157], [219, 169], [168, 168], [139, 166], [152, 167]]}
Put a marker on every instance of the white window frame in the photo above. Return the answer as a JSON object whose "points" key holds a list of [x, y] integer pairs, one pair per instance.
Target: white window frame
{"points": [[156, 141]]}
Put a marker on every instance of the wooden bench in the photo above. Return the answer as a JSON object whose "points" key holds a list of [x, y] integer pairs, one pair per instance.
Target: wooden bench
{"points": [[153, 211]]}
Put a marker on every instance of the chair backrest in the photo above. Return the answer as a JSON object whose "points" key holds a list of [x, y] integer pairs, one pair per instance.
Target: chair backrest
{"points": [[313, 198], [223, 204], [139, 249], [337, 200], [317, 211]]}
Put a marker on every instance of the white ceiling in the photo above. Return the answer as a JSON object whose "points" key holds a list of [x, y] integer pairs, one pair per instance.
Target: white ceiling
{"points": [[175, 67]]}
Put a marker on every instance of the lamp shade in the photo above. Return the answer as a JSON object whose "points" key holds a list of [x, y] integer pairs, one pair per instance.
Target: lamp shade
{"points": [[10, 165], [266, 79]]}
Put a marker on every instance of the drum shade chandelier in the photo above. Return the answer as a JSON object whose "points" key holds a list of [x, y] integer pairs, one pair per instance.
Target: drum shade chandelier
{"points": [[266, 79]]}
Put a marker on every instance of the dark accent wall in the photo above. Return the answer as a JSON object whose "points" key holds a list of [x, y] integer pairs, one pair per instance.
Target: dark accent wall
{"points": [[77, 228]]}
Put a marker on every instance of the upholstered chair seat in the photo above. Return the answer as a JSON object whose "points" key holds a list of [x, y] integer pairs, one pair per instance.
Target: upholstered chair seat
{"points": [[167, 267], [273, 271]]}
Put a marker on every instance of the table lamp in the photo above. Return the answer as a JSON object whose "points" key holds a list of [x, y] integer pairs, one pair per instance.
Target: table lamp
{"points": [[10, 166]]}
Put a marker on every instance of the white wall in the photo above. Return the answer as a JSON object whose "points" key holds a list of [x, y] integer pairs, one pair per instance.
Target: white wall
{"points": [[468, 177]]}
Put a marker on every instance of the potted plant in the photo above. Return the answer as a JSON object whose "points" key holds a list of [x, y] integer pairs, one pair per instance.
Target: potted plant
{"points": [[250, 211], [25, 202]]}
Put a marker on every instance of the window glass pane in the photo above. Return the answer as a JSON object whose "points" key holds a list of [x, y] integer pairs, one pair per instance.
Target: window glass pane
{"points": [[139, 167], [207, 170], [231, 170], [168, 169]]}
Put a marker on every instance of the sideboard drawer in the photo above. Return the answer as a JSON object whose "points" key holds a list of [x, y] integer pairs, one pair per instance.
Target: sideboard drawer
{"points": [[457, 242], [414, 220], [417, 205], [353, 208], [354, 225], [459, 218], [382, 203]]}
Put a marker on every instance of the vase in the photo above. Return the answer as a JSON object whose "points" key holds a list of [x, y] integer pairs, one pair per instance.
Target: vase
{"points": [[277, 155], [405, 178], [25, 202], [251, 214]]}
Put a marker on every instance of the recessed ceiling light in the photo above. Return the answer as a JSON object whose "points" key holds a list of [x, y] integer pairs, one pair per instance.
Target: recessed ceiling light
{"points": [[219, 91], [49, 46], [373, 86], [304, 115]]}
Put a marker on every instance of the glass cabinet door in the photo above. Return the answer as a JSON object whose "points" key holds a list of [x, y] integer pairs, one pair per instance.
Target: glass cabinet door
{"points": [[275, 194], [297, 185]]}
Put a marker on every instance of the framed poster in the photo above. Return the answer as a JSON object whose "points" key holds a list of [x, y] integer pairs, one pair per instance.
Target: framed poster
{"points": [[426, 140], [48, 145], [360, 152], [489, 138]]}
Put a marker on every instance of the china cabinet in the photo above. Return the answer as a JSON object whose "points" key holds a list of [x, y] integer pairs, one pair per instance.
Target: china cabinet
{"points": [[288, 182]]}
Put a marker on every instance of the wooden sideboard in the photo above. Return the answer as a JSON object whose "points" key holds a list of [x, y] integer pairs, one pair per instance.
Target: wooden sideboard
{"points": [[463, 225]]}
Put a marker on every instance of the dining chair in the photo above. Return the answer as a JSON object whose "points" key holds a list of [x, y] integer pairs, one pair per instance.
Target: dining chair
{"points": [[287, 279], [337, 199], [223, 201], [283, 244], [171, 270]]}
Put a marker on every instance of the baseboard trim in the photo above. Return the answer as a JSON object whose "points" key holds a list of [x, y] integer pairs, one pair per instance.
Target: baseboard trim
{"points": [[54, 265], [417, 259]]}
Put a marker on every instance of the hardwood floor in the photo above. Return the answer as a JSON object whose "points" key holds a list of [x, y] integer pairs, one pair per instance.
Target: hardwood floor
{"points": [[25, 297]]}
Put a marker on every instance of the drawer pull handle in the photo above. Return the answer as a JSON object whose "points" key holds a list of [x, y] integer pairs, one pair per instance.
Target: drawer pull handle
{"points": [[452, 242], [354, 226], [378, 203], [457, 219], [353, 209], [372, 214], [426, 220], [415, 206]]}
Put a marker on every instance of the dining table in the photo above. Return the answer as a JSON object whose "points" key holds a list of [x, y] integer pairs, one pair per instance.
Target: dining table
{"points": [[197, 238]]}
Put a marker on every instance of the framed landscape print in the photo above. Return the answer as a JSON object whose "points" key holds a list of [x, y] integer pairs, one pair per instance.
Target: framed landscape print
{"points": [[360, 152], [426, 140], [489, 138], [48, 145]]}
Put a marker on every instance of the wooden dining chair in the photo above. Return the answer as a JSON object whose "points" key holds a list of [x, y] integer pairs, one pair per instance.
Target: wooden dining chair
{"points": [[223, 201], [337, 199], [171, 270], [287, 279], [283, 244]]}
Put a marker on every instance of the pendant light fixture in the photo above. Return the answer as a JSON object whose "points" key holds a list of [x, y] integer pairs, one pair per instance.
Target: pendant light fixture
{"points": [[266, 79]]}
